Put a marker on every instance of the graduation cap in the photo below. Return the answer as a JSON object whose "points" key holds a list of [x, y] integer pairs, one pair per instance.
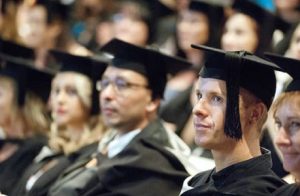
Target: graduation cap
{"points": [[152, 64], [266, 20], [91, 67], [290, 66], [27, 78], [16, 63], [209, 9], [239, 69], [11, 49], [215, 15]]}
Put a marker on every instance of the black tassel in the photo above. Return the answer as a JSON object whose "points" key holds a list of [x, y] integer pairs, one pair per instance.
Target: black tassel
{"points": [[233, 65]]}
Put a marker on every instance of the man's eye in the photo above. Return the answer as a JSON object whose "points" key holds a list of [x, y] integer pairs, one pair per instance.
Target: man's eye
{"points": [[104, 83], [198, 95], [121, 84], [217, 99]]}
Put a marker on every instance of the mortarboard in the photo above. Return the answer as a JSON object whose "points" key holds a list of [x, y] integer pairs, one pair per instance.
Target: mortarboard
{"points": [[91, 67], [290, 66], [12, 50], [152, 64], [239, 69], [16, 63], [27, 78]]}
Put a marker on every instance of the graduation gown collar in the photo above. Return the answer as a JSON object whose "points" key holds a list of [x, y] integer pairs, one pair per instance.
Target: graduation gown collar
{"points": [[262, 162]]}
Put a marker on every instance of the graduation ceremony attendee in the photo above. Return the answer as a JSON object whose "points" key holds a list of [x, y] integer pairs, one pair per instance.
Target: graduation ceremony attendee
{"points": [[200, 23], [133, 22], [250, 27], [286, 110], [234, 93], [139, 157], [23, 117], [44, 25], [76, 125]]}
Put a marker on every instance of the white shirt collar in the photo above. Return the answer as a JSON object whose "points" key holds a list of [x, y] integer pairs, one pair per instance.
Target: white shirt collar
{"points": [[120, 142]]}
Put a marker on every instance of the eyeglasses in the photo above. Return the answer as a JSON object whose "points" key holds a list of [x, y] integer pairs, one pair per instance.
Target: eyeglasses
{"points": [[119, 84]]}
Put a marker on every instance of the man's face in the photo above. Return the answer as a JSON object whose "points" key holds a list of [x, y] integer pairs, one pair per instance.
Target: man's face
{"points": [[209, 114], [124, 98]]}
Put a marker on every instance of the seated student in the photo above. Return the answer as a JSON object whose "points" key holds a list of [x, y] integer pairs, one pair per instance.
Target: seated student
{"points": [[234, 92], [287, 118], [139, 157], [23, 116], [76, 125]]}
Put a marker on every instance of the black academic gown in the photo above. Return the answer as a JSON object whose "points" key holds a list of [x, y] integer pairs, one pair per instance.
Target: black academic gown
{"points": [[288, 190], [253, 177], [12, 168], [143, 167], [45, 181]]}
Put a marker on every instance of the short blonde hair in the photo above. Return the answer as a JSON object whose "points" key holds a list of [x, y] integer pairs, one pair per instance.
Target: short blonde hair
{"points": [[284, 98]]}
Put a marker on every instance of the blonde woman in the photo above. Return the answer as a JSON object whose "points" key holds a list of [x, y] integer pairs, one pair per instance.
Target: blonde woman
{"points": [[23, 116], [76, 127], [287, 118]]}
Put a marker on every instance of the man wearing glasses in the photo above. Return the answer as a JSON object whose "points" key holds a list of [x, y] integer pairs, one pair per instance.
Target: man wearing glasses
{"points": [[138, 157]]}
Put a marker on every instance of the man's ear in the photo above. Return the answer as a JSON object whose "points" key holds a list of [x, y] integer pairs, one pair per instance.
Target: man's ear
{"points": [[257, 112], [153, 105]]}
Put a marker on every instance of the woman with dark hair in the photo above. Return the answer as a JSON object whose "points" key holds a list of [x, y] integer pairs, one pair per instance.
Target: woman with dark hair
{"points": [[43, 25], [133, 22], [250, 27]]}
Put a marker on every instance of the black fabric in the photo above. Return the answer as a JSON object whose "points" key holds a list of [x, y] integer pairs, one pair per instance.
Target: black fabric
{"points": [[44, 182], [144, 167], [12, 168], [289, 65], [288, 190], [251, 177], [16, 50]]}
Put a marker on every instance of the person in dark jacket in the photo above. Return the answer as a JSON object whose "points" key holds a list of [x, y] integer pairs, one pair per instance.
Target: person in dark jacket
{"points": [[286, 110], [23, 116], [76, 125], [139, 156], [234, 92]]}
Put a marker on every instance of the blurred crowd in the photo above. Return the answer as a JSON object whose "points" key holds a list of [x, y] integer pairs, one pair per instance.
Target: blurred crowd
{"points": [[56, 118]]}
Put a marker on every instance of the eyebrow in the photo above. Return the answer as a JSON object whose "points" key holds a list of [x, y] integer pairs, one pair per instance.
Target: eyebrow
{"points": [[212, 92]]}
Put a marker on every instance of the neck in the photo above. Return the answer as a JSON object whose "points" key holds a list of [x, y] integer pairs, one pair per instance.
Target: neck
{"points": [[14, 128], [75, 131], [130, 127], [194, 56], [253, 140], [237, 152]]}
